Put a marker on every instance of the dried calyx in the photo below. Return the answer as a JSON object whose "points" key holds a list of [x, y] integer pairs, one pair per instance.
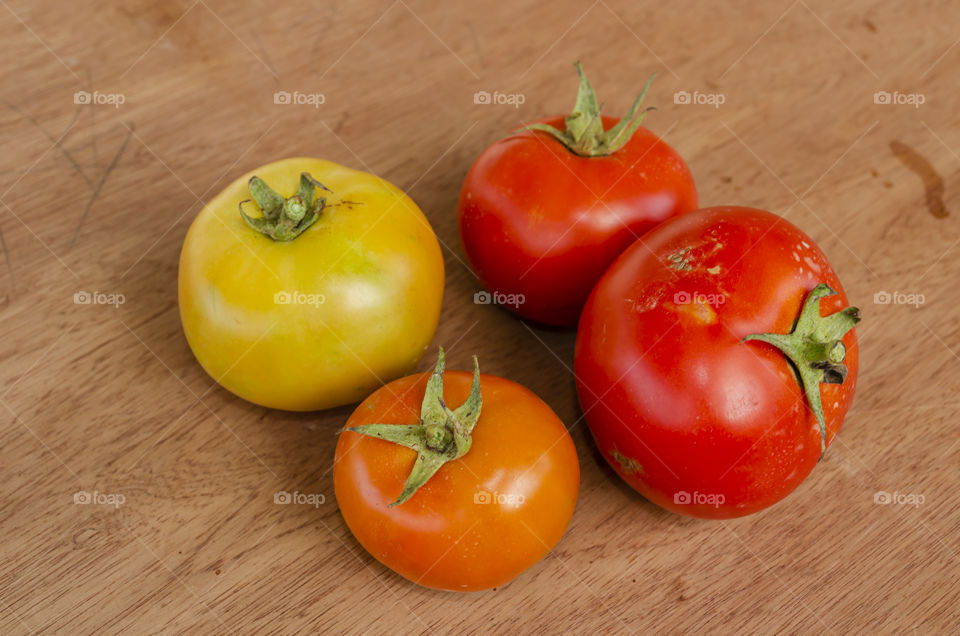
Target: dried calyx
{"points": [[441, 436], [284, 219], [584, 134]]}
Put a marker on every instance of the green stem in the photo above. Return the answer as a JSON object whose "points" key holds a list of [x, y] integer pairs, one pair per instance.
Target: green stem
{"points": [[284, 219], [441, 436], [816, 348], [584, 134]]}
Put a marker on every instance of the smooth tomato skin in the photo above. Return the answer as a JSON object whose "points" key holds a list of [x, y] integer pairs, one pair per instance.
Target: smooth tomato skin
{"points": [[371, 255], [536, 219], [442, 537], [675, 402]]}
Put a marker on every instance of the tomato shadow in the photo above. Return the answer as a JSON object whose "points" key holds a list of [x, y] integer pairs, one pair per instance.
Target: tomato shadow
{"points": [[303, 443], [585, 442]]}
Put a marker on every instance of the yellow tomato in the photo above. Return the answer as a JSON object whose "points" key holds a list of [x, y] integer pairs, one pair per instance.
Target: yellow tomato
{"points": [[326, 314]]}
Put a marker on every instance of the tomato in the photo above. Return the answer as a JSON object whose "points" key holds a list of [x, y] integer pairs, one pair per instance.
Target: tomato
{"points": [[336, 290], [543, 212], [492, 485], [685, 400]]}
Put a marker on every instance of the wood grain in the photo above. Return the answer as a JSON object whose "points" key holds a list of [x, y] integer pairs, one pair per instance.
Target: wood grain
{"points": [[109, 399]]}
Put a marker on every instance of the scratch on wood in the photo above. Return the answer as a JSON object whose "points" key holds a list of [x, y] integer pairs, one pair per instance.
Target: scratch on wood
{"points": [[6, 252], [266, 57], [476, 42], [93, 119], [56, 142], [932, 181], [103, 179], [343, 120]]}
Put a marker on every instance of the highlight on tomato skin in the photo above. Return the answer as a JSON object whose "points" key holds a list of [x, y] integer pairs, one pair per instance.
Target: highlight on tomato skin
{"points": [[485, 514], [543, 212], [706, 355]]}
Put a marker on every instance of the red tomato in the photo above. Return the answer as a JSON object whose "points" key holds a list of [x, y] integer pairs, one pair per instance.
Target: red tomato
{"points": [[694, 419], [484, 516], [542, 216]]}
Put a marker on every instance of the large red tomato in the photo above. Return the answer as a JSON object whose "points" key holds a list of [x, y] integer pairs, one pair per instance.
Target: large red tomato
{"points": [[686, 399], [545, 211]]}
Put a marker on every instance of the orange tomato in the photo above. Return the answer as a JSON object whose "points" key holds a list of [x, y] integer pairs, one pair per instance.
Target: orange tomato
{"points": [[482, 518]]}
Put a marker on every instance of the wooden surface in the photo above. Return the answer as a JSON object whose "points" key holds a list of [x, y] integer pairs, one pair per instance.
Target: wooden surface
{"points": [[97, 398]]}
